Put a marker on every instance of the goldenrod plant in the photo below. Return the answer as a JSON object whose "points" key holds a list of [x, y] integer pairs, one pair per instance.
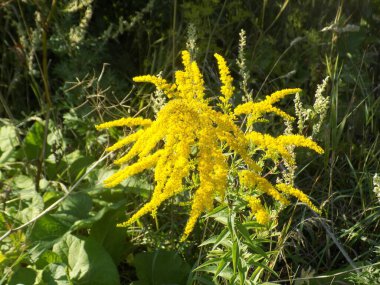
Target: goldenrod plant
{"points": [[191, 136]]}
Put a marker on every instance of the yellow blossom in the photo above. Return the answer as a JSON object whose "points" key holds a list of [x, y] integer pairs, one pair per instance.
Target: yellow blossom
{"points": [[252, 180], [227, 89], [278, 146], [298, 194], [190, 82], [262, 216], [300, 141], [160, 83], [189, 136], [258, 109], [127, 122], [127, 140]]}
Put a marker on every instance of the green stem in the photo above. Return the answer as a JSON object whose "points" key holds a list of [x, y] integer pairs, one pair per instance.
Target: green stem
{"points": [[45, 79]]}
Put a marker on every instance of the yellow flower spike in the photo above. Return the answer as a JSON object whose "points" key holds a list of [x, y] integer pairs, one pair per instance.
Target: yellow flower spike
{"points": [[189, 136], [189, 82], [270, 145], [210, 179], [127, 140], [131, 170], [186, 60], [298, 140], [256, 110], [125, 122], [262, 216], [160, 83], [252, 180], [227, 89], [278, 95], [298, 194]]}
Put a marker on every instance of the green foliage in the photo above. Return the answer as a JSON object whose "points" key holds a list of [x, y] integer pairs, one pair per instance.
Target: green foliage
{"points": [[236, 254], [48, 169], [160, 267]]}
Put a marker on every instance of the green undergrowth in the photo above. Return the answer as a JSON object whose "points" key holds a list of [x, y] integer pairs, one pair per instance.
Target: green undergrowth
{"points": [[67, 65]]}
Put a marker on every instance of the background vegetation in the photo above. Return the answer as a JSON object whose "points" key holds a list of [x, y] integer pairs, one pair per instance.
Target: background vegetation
{"points": [[67, 65]]}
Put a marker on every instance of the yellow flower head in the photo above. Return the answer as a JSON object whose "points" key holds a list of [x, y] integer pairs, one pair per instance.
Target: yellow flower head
{"points": [[187, 124], [227, 89]]}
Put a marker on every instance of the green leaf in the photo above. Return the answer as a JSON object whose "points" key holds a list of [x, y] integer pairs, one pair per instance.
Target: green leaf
{"points": [[216, 240], [87, 223], [88, 262], [23, 182], [235, 255], [220, 214], [76, 205], [248, 241], [8, 138], [50, 197], [161, 267], [222, 265], [56, 274], [112, 238], [77, 164], [8, 143], [25, 276], [48, 229], [46, 258], [138, 185], [34, 140], [31, 202]]}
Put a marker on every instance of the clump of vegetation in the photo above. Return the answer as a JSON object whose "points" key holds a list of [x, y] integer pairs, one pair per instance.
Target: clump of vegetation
{"points": [[195, 137], [207, 154]]}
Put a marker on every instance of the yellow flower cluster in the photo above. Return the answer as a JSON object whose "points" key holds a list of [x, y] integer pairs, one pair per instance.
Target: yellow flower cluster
{"points": [[256, 110], [227, 89], [188, 135], [160, 83], [278, 146], [262, 216], [253, 180], [287, 189]]}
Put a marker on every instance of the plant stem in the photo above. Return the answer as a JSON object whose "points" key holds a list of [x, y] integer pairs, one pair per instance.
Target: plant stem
{"points": [[48, 106]]}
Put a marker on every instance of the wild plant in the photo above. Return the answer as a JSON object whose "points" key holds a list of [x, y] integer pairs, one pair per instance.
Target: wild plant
{"points": [[207, 152]]}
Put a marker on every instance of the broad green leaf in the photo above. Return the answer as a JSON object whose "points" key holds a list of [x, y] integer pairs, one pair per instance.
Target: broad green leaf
{"points": [[8, 138], [56, 274], [8, 143], [34, 140], [77, 164], [76, 205], [46, 258], [50, 197], [88, 262], [31, 202], [88, 222], [48, 228], [24, 276], [139, 185], [23, 182], [112, 238], [161, 267]]}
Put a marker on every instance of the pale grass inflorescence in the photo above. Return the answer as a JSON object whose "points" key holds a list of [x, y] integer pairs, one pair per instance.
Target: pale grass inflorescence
{"points": [[190, 137], [376, 185]]}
